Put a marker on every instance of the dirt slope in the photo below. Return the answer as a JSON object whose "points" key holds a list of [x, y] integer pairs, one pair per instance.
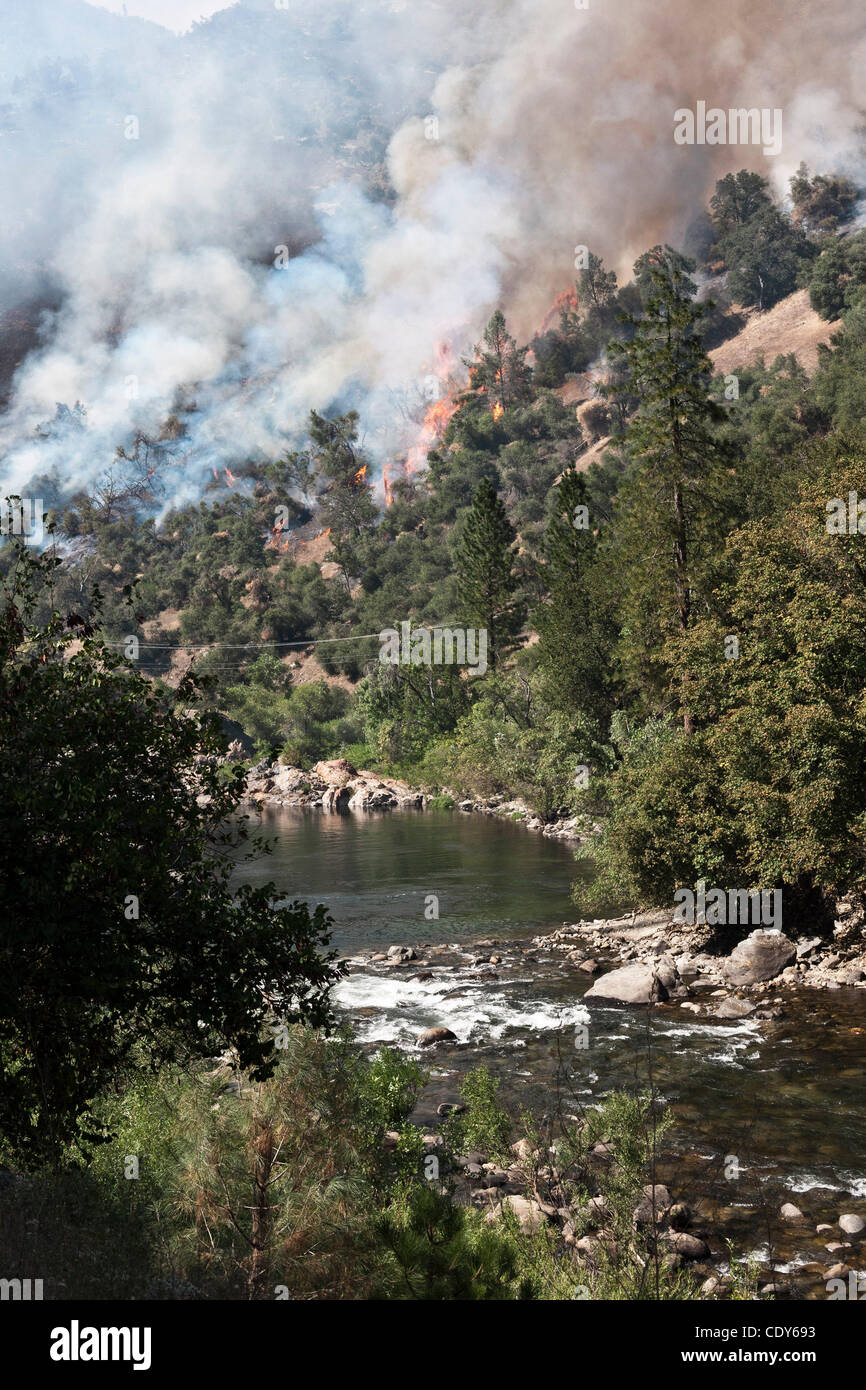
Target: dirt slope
{"points": [[790, 326]]}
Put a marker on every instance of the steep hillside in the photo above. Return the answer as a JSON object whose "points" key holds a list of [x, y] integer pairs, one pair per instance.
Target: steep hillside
{"points": [[790, 326]]}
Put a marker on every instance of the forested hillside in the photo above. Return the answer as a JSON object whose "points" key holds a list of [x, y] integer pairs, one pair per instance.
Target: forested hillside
{"points": [[644, 541]]}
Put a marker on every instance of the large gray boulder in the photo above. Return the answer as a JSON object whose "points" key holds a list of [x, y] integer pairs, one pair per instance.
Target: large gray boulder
{"points": [[631, 984], [761, 956], [431, 1036]]}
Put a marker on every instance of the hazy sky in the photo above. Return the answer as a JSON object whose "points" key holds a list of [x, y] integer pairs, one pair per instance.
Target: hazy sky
{"points": [[174, 14]]}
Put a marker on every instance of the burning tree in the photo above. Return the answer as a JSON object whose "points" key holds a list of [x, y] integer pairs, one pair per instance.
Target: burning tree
{"points": [[500, 369]]}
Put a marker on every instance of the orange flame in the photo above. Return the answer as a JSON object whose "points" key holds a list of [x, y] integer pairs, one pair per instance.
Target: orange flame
{"points": [[565, 301], [230, 477], [386, 483], [360, 475], [276, 542], [432, 430], [497, 410]]}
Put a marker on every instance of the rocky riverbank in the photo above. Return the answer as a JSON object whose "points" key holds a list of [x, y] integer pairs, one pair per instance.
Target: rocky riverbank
{"points": [[336, 786], [659, 961]]}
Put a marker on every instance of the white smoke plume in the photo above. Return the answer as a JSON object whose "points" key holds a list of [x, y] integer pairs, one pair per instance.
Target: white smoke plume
{"points": [[422, 161]]}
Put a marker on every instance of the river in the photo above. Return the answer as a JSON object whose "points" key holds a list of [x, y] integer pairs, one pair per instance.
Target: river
{"points": [[783, 1100]]}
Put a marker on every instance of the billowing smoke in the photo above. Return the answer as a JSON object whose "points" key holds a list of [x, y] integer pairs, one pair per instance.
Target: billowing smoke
{"points": [[207, 234]]}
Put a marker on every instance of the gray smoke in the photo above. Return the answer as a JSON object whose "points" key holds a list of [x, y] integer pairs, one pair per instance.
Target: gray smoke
{"points": [[311, 128]]}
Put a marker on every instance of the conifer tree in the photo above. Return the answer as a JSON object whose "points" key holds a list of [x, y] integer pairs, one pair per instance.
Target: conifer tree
{"points": [[486, 583], [665, 504], [575, 625], [500, 367]]}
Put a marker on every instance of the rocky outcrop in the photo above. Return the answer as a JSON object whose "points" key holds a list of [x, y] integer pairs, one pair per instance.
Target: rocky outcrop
{"points": [[684, 960], [334, 786]]}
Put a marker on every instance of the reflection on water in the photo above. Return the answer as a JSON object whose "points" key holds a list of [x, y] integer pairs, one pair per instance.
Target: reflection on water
{"points": [[375, 871]]}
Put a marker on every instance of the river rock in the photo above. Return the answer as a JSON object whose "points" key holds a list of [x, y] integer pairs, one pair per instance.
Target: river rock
{"points": [[401, 953], [734, 1008], [807, 948], [431, 1036], [791, 1213], [679, 1216], [631, 984], [689, 1246], [643, 1215], [761, 956], [529, 1213], [851, 1225]]}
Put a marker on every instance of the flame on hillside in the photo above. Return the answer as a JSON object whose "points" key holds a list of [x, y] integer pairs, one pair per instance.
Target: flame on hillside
{"points": [[565, 302], [277, 541]]}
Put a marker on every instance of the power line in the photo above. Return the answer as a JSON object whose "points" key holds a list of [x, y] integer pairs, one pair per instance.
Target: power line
{"points": [[240, 646]]}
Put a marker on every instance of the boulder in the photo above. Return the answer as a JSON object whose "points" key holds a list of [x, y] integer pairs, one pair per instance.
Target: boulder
{"points": [[530, 1214], [335, 772], [734, 1008], [761, 956], [851, 1225], [690, 1247], [336, 798], [655, 1200], [401, 953], [791, 1213], [431, 1036], [631, 984], [806, 948]]}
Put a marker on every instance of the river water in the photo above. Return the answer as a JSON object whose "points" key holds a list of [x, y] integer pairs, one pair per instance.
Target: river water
{"points": [[763, 1113]]}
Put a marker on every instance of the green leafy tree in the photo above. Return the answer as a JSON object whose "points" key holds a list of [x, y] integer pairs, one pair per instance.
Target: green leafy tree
{"points": [[119, 928], [596, 286], [765, 258], [738, 199]]}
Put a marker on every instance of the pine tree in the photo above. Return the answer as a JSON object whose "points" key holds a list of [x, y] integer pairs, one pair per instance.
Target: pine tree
{"points": [[486, 583], [500, 367], [596, 286], [664, 505], [575, 625]]}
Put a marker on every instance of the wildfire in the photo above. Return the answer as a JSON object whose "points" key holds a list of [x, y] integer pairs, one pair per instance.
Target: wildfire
{"points": [[386, 483], [326, 532], [564, 302], [276, 541], [497, 410], [432, 430], [359, 477], [230, 477]]}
